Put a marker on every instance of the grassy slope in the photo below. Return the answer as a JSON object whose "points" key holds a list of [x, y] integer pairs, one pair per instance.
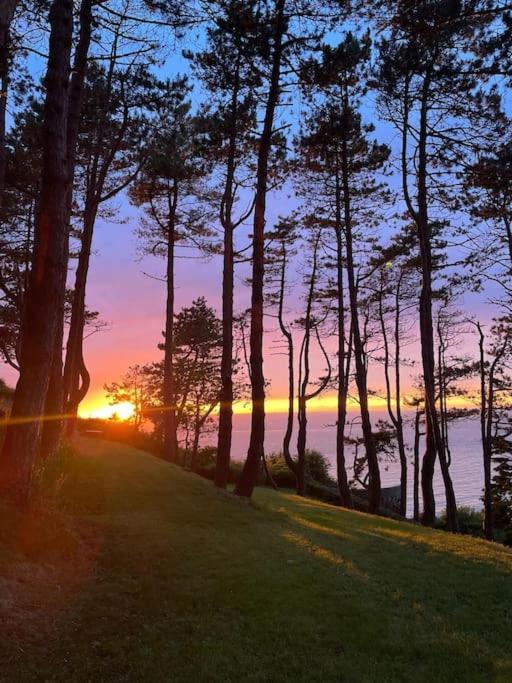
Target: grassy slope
{"points": [[160, 578]]}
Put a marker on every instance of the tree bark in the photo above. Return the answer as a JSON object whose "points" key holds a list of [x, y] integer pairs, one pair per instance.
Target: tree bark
{"points": [[292, 465], [395, 415], [359, 354], [40, 324], [416, 467], [226, 368], [195, 442], [344, 359], [434, 438], [170, 422], [252, 463], [73, 369], [486, 437], [303, 383], [55, 399]]}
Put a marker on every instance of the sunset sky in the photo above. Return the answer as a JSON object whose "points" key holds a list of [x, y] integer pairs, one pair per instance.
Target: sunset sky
{"points": [[123, 290], [133, 305]]}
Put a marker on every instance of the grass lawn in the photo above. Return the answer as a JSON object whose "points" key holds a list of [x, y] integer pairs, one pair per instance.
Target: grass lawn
{"points": [[146, 573]]}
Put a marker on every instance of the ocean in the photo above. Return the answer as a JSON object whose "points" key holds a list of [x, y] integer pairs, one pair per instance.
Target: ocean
{"points": [[464, 437]]}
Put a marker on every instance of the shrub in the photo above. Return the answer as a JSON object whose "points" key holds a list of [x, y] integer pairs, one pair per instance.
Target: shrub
{"points": [[317, 469], [205, 465], [281, 473], [470, 521]]}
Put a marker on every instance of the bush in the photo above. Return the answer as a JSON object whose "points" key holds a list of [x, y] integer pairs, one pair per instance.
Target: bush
{"points": [[281, 473], [470, 521], [317, 469], [205, 465]]}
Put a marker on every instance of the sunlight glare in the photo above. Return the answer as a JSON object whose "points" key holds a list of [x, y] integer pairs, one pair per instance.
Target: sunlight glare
{"points": [[122, 411]]}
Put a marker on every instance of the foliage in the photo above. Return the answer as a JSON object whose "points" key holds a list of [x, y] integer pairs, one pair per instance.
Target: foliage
{"points": [[470, 521], [196, 365], [501, 488], [316, 465]]}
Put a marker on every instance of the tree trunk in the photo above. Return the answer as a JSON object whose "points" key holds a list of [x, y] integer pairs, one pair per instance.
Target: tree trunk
{"points": [[55, 399], [40, 324], [51, 431], [226, 368], [170, 423], [301, 446], [416, 466], [434, 438], [74, 350], [486, 410], [395, 415], [292, 465], [303, 384], [343, 363], [195, 446], [359, 354], [398, 408], [251, 467]]}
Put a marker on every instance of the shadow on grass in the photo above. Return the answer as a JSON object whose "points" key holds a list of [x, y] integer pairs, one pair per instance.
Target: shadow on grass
{"points": [[191, 585]]}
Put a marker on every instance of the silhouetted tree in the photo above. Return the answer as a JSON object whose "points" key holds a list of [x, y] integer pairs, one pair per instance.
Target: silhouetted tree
{"points": [[336, 146], [227, 70], [47, 277], [112, 132], [427, 93], [169, 189]]}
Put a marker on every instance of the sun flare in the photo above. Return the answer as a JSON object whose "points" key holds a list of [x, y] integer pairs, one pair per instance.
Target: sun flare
{"points": [[122, 411]]}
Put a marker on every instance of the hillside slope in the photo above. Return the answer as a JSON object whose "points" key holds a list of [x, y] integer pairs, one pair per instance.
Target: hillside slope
{"points": [[152, 575]]}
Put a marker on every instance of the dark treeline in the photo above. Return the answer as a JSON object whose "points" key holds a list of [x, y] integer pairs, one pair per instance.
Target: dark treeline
{"points": [[395, 145]]}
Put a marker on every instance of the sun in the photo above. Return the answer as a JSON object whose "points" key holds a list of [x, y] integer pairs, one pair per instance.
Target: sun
{"points": [[122, 411]]}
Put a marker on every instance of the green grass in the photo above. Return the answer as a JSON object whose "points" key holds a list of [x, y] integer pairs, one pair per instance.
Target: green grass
{"points": [[146, 573]]}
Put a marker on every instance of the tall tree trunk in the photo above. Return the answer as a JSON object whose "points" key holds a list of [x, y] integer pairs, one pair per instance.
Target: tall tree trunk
{"points": [[304, 364], [252, 463], [291, 375], [40, 324], [359, 354], [73, 389], [304, 380], [55, 399], [395, 415], [486, 438], [195, 441], [7, 8], [508, 233], [226, 367], [435, 442], [429, 456], [170, 422], [416, 467], [344, 359], [398, 407]]}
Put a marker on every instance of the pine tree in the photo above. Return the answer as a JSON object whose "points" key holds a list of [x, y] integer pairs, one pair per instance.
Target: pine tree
{"points": [[226, 69], [41, 320], [336, 148], [169, 188]]}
